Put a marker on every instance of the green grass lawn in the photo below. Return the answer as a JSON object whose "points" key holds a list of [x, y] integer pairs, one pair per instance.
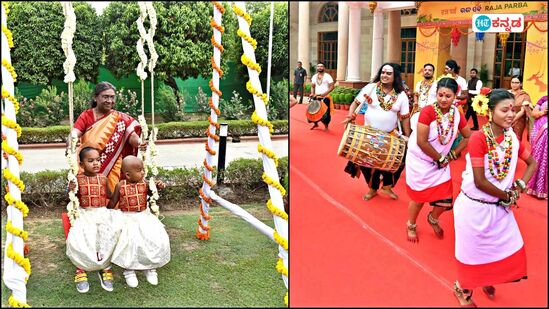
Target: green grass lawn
{"points": [[235, 268]]}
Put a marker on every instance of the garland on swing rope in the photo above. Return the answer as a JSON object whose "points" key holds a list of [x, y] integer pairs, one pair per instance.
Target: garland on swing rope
{"points": [[213, 125], [10, 151], [7, 95], [267, 152]]}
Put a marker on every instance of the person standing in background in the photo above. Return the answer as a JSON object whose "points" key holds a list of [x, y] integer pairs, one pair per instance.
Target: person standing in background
{"points": [[300, 75]]}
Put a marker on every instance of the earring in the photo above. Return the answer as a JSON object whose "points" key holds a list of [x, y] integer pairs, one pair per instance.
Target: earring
{"points": [[490, 117]]}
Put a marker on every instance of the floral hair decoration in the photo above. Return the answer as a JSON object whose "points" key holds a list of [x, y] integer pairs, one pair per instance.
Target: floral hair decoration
{"points": [[480, 102]]}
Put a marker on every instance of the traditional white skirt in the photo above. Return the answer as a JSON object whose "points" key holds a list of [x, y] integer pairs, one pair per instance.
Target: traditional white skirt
{"points": [[93, 237], [143, 243]]}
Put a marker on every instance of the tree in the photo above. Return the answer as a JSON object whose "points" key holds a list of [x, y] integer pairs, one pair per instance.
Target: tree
{"points": [[261, 15], [37, 55], [182, 39]]}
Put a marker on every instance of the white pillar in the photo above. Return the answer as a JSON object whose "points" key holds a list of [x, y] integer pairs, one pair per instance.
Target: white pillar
{"points": [[342, 39], [304, 46], [478, 54], [377, 43], [353, 72]]}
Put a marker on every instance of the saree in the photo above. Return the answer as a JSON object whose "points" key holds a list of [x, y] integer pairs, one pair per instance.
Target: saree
{"points": [[524, 121], [110, 134]]}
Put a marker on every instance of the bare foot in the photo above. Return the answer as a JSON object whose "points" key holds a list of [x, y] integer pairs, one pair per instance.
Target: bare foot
{"points": [[434, 224], [412, 233], [370, 195], [389, 192]]}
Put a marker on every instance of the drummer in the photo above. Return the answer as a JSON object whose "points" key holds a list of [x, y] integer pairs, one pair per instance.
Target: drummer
{"points": [[321, 86], [386, 98]]}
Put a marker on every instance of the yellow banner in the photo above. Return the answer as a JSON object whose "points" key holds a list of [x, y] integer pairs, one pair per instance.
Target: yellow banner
{"points": [[431, 48], [535, 62], [451, 13]]}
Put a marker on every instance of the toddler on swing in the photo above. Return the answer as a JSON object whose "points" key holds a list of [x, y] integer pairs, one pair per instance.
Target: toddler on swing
{"points": [[93, 235], [144, 243]]}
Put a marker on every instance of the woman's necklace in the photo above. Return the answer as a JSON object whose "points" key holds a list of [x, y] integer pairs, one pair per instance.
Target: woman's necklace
{"points": [[386, 105], [498, 169], [442, 131]]}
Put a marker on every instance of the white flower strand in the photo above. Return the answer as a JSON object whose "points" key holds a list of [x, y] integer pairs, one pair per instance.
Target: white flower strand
{"points": [[150, 35], [140, 47], [154, 172], [66, 41], [144, 155], [74, 204]]}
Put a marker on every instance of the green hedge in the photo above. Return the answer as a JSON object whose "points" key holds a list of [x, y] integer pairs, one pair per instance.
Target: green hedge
{"points": [[168, 130], [47, 189]]}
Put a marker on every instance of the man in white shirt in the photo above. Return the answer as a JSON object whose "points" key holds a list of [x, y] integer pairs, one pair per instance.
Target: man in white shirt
{"points": [[474, 85], [321, 86], [421, 91], [387, 105]]}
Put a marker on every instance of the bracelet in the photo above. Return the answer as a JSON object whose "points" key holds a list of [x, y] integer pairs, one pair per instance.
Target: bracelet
{"points": [[520, 183]]}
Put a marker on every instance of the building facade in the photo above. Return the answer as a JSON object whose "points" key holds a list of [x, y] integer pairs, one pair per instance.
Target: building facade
{"points": [[353, 39]]}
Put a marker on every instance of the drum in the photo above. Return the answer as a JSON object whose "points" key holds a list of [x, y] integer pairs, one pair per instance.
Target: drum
{"points": [[372, 148], [316, 110]]}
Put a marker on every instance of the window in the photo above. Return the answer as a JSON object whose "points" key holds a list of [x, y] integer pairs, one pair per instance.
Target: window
{"points": [[327, 50], [408, 39], [509, 60], [328, 13]]}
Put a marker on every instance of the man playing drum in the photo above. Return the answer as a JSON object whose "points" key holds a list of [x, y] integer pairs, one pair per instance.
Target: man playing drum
{"points": [[386, 98], [321, 86]]}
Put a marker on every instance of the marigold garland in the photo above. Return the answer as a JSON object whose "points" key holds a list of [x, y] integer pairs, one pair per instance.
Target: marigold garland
{"points": [[10, 69], [7, 149], [209, 150], [216, 110], [205, 228], [275, 211], [9, 36], [208, 181], [213, 123], [247, 38], [7, 95], [19, 259], [280, 240], [15, 180], [204, 197], [17, 204], [216, 68], [5, 4], [202, 236], [273, 183], [212, 135], [219, 7], [242, 14], [205, 215], [208, 167], [14, 303], [217, 45], [268, 153], [286, 299], [15, 231], [250, 63], [280, 267], [212, 87], [263, 122], [251, 89], [217, 26], [12, 125]]}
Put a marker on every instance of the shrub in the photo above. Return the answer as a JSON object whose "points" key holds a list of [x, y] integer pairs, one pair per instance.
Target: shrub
{"points": [[174, 109], [278, 101], [234, 109], [47, 189], [168, 130]]}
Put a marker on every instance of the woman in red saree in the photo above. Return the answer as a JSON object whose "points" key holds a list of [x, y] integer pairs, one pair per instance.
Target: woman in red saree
{"points": [[116, 134]]}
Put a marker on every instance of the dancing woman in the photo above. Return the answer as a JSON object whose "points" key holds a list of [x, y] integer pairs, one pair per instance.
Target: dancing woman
{"points": [[489, 248], [428, 177]]}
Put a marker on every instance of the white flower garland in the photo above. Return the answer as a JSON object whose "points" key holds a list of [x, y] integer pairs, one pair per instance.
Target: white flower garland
{"points": [[151, 163], [143, 35], [74, 204], [66, 41]]}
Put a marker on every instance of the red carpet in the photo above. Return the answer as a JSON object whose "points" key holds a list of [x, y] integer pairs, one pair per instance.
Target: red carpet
{"points": [[349, 252]]}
